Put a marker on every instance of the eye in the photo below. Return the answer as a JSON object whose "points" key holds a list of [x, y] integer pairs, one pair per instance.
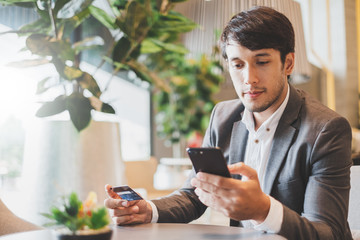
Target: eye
{"points": [[237, 65], [262, 62]]}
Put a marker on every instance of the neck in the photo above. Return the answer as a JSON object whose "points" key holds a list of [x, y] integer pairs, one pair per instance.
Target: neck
{"points": [[261, 117]]}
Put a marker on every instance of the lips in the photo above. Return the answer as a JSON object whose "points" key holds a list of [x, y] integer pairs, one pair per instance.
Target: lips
{"points": [[253, 94]]}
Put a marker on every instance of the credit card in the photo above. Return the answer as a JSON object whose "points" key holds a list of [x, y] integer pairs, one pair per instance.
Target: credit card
{"points": [[126, 193]]}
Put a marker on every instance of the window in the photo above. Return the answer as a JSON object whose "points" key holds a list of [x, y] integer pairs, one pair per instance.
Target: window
{"points": [[18, 106]]}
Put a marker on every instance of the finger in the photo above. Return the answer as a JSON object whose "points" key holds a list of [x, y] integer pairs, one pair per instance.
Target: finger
{"points": [[212, 183], [131, 203], [203, 185], [115, 203], [110, 192], [203, 196], [118, 212], [209, 200], [123, 220], [242, 169]]}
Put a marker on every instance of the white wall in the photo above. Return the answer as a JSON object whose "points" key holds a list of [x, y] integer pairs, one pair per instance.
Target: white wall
{"points": [[341, 56]]}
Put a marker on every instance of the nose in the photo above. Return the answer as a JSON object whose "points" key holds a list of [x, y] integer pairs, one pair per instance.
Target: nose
{"points": [[250, 75]]}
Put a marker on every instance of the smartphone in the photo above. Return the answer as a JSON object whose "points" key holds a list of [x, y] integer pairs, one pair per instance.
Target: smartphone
{"points": [[126, 193], [209, 160]]}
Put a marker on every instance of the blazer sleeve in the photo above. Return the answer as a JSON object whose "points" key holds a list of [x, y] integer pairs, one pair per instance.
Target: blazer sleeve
{"points": [[183, 205], [325, 207]]}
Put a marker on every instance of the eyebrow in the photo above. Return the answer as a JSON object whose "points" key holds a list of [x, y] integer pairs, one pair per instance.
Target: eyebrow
{"points": [[257, 55], [262, 54]]}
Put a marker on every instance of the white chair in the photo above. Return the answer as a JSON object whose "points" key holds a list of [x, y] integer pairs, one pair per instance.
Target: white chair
{"points": [[354, 203]]}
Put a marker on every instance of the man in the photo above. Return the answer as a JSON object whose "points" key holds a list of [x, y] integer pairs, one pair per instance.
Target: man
{"points": [[293, 153]]}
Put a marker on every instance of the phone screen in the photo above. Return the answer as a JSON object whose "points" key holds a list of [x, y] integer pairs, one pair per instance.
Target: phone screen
{"points": [[209, 160], [126, 193]]}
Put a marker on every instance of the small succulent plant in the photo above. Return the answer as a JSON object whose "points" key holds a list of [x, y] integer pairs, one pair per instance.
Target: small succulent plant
{"points": [[76, 215]]}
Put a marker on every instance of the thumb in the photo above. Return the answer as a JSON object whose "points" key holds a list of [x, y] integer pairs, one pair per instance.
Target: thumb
{"points": [[110, 192], [242, 169]]}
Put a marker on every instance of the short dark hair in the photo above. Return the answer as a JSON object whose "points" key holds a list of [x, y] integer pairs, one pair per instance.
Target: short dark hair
{"points": [[258, 28]]}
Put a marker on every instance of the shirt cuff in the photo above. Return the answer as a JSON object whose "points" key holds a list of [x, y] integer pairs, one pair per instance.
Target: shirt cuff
{"points": [[273, 220], [155, 213]]}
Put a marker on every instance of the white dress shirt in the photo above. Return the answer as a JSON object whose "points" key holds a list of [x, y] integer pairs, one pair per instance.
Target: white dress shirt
{"points": [[256, 156]]}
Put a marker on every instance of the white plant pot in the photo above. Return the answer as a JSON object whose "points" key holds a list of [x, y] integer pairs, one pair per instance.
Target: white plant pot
{"points": [[59, 160]]}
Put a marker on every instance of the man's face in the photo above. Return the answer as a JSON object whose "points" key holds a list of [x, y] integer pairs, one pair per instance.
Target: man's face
{"points": [[259, 77]]}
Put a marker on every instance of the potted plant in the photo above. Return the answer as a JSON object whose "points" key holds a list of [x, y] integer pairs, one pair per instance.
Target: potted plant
{"points": [[77, 220]]}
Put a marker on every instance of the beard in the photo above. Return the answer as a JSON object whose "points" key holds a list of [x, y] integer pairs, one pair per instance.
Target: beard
{"points": [[270, 100]]}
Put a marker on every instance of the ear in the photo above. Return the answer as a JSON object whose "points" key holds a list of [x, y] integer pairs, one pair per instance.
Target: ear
{"points": [[289, 63]]}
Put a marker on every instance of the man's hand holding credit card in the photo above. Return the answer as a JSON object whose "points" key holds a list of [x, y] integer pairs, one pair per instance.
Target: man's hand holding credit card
{"points": [[126, 206]]}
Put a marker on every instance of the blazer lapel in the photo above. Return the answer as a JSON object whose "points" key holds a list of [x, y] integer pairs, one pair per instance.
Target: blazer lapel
{"points": [[238, 142], [283, 139]]}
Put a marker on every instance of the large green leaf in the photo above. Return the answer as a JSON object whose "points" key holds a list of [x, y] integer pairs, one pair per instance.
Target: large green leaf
{"points": [[44, 45], [148, 46], [87, 81], [52, 108], [21, 3], [72, 73], [107, 20], [41, 86], [121, 50], [39, 44], [178, 48], [72, 8], [62, 49], [174, 22], [107, 108], [79, 108], [136, 21], [59, 66]]}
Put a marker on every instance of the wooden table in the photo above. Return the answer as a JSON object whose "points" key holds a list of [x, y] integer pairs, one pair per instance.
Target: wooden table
{"points": [[163, 231]]}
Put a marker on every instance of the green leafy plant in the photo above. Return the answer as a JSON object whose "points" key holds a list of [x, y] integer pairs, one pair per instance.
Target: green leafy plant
{"points": [[76, 215], [146, 41], [150, 47], [186, 108], [52, 38]]}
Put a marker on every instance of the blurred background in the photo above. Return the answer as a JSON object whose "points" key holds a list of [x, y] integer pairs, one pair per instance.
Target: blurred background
{"points": [[145, 147]]}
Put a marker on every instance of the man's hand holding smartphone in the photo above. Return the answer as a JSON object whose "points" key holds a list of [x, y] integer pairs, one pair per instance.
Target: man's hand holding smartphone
{"points": [[127, 207], [215, 188]]}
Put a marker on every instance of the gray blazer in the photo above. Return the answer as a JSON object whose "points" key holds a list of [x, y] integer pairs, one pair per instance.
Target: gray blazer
{"points": [[308, 169]]}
